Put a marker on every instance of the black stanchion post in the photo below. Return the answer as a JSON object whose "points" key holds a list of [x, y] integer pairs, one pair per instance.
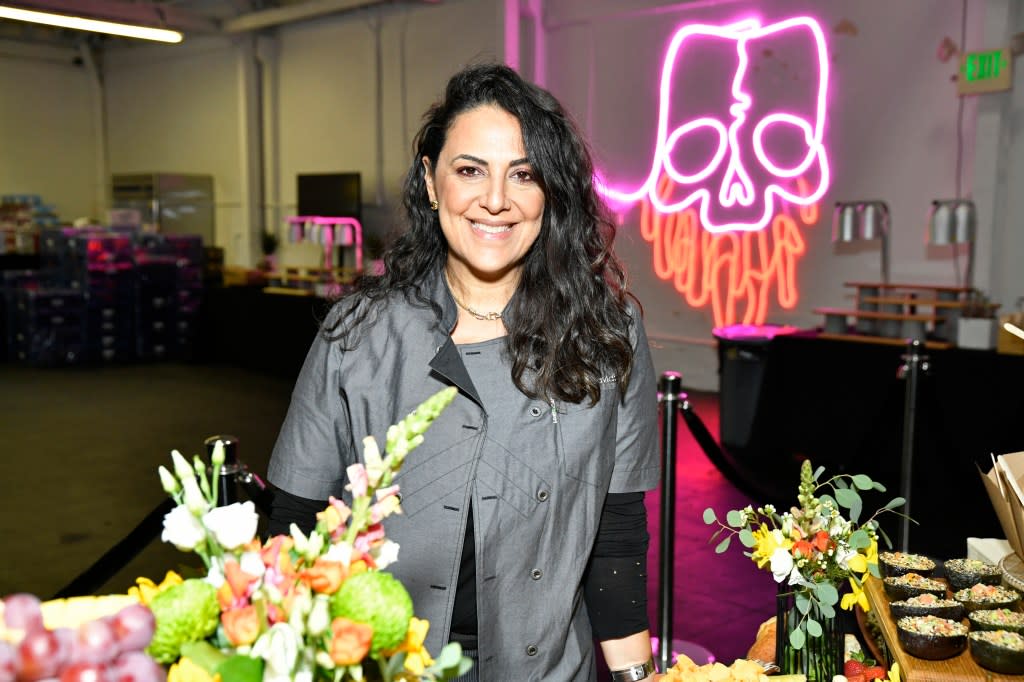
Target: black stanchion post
{"points": [[914, 364], [668, 393], [227, 492]]}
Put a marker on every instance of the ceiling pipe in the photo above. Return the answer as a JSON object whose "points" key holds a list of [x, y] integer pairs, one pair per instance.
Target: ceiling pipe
{"points": [[312, 9]]}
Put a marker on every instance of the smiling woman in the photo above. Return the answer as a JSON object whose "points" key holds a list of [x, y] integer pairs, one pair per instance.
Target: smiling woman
{"points": [[524, 535]]}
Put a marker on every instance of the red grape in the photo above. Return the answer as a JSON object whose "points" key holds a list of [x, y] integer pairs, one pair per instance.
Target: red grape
{"points": [[22, 612], [94, 642], [8, 662], [133, 627], [84, 672], [136, 666], [39, 655]]}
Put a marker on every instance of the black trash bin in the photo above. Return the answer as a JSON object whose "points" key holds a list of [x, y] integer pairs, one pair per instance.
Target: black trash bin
{"points": [[742, 350]]}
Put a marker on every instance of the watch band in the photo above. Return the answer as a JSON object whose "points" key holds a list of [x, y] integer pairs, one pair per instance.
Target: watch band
{"points": [[635, 673]]}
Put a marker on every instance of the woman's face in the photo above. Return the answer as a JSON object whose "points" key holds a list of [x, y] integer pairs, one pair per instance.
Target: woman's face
{"points": [[489, 203]]}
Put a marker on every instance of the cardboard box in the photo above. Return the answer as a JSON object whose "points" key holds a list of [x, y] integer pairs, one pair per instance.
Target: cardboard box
{"points": [[1004, 484]]}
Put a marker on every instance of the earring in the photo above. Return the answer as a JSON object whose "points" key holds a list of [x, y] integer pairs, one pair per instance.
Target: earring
{"points": [[433, 204]]}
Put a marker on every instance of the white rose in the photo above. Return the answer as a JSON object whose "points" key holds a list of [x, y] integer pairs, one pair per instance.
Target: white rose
{"points": [[182, 529], [234, 525], [782, 564]]}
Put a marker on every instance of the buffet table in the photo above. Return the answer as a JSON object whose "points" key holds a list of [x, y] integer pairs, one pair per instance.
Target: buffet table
{"points": [[841, 404]]}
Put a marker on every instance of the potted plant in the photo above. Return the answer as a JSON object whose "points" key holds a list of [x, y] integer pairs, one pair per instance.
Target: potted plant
{"points": [[977, 326]]}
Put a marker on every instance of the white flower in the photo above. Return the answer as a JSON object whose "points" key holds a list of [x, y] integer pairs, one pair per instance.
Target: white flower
{"points": [[374, 464], [234, 525], [339, 552], [319, 616], [252, 563], [215, 576], [386, 554], [182, 529], [279, 647], [781, 563]]}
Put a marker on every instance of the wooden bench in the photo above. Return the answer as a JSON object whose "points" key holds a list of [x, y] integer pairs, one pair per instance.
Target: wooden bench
{"points": [[900, 325]]}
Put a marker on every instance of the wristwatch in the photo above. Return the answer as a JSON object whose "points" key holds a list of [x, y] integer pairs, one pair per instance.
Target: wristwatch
{"points": [[635, 673]]}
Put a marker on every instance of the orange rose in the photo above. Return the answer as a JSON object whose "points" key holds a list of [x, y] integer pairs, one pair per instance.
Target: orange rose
{"points": [[350, 641], [241, 625], [821, 540], [803, 548], [324, 576]]}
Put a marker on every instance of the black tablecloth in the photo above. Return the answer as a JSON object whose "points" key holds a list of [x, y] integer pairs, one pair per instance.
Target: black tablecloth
{"points": [[841, 404]]}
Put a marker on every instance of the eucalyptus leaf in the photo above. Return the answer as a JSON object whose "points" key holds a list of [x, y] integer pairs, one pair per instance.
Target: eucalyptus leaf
{"points": [[449, 656], [863, 482], [873, 570], [826, 611], [803, 602], [734, 518], [709, 516], [878, 486], [855, 509], [747, 538], [895, 502], [826, 593], [847, 497], [859, 539], [840, 484], [723, 545], [797, 638], [818, 472], [813, 628], [885, 537]]}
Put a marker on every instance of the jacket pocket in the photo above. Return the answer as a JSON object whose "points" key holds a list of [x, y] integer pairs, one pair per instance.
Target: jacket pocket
{"points": [[586, 437]]}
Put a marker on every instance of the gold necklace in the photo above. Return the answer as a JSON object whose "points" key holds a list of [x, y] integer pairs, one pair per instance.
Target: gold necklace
{"points": [[484, 317]]}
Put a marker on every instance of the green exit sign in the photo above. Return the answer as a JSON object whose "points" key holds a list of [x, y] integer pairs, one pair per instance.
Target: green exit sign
{"points": [[987, 71]]}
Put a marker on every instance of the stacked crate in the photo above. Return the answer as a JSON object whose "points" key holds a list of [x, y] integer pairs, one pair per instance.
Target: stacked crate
{"points": [[11, 282], [101, 264], [49, 326], [175, 266]]}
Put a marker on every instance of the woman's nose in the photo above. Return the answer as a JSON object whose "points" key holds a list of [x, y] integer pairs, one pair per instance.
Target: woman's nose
{"points": [[495, 200]]}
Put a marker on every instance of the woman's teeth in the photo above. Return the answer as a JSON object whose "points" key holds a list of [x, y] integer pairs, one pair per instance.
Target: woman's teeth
{"points": [[492, 229]]}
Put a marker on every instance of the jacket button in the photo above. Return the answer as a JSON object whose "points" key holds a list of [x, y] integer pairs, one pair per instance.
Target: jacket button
{"points": [[536, 574], [535, 411], [542, 495], [531, 650]]}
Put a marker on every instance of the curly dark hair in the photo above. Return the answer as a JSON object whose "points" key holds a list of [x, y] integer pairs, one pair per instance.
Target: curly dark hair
{"points": [[568, 322]]}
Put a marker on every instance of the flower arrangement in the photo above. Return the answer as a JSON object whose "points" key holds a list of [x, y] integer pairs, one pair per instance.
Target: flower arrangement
{"points": [[295, 607], [812, 547]]}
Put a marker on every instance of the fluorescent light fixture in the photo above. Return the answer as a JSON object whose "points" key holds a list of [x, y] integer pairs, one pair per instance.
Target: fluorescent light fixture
{"points": [[83, 24]]}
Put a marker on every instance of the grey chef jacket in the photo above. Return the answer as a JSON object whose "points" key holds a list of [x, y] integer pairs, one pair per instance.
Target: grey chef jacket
{"points": [[536, 510]]}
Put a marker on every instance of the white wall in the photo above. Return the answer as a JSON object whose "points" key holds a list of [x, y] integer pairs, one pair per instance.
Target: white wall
{"points": [[47, 134], [891, 133]]}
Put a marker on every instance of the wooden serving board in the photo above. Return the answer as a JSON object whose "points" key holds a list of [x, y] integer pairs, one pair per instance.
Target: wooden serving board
{"points": [[960, 668]]}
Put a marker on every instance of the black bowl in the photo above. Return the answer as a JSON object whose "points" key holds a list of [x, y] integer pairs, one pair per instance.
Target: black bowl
{"points": [[995, 655], [943, 608], [898, 588], [973, 603], [931, 645], [963, 573], [892, 564], [978, 620]]}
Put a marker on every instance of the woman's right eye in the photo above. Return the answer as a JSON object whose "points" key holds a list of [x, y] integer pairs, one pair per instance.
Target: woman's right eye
{"points": [[468, 171]]}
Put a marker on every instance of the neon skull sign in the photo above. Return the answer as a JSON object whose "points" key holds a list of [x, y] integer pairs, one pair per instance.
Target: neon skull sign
{"points": [[735, 144]]}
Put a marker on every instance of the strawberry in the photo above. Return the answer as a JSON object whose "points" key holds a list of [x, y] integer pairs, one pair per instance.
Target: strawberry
{"points": [[853, 667], [859, 677], [874, 672]]}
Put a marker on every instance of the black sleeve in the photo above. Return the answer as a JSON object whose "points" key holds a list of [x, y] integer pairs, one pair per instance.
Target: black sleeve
{"points": [[615, 583], [287, 509]]}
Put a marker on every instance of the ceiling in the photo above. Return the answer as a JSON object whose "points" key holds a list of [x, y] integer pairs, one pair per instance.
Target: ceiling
{"points": [[192, 17]]}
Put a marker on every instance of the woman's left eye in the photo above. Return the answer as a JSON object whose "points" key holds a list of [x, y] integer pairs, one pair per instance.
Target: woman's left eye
{"points": [[523, 175]]}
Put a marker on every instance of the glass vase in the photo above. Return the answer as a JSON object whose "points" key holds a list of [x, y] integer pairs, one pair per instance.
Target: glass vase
{"points": [[820, 658]]}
